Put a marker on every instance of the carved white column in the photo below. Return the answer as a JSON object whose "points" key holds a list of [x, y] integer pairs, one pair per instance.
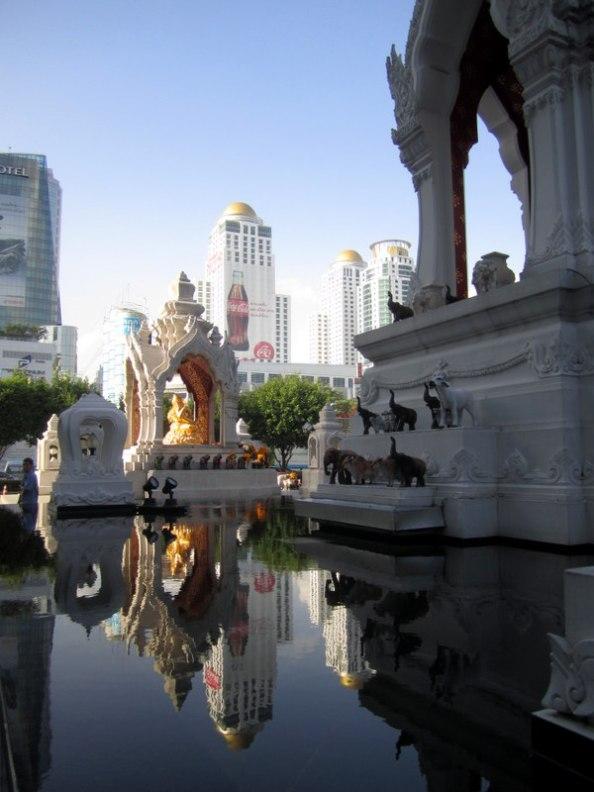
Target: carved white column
{"points": [[229, 419], [550, 50]]}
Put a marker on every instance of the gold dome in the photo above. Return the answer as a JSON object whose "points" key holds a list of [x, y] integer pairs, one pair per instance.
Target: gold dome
{"points": [[239, 208], [353, 681], [349, 255]]}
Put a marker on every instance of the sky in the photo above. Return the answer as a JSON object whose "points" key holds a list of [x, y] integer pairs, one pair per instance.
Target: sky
{"points": [[155, 115]]}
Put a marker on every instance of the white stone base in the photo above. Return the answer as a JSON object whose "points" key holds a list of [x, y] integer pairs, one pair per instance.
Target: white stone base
{"points": [[70, 491], [203, 485], [379, 508]]}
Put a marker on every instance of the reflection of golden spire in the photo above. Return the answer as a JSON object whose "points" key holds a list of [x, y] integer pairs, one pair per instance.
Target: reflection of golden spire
{"points": [[352, 681], [178, 551], [177, 688]]}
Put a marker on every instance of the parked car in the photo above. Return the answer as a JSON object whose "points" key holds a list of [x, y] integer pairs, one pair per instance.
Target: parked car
{"points": [[14, 468], [9, 482]]}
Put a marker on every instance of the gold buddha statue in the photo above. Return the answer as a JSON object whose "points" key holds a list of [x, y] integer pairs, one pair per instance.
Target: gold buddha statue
{"points": [[182, 427]]}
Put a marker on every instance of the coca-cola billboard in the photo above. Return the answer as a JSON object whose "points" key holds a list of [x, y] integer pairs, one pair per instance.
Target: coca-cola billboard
{"points": [[251, 314]]}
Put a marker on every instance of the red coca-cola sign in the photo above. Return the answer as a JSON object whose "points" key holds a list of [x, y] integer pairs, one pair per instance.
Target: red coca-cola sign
{"points": [[212, 678], [238, 314], [264, 582], [264, 351]]}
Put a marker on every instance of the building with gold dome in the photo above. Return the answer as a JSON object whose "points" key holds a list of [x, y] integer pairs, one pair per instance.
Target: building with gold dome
{"points": [[239, 292], [333, 336]]}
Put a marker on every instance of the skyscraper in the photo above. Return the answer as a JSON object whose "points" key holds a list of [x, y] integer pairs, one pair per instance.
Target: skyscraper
{"points": [[318, 338], [240, 269], [390, 268], [283, 328], [340, 286], [30, 207]]}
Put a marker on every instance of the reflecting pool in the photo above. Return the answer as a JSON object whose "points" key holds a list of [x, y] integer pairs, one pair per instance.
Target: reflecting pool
{"points": [[236, 650]]}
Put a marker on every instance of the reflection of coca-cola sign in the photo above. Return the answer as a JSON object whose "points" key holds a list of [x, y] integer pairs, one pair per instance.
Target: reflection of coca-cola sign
{"points": [[212, 679], [264, 351], [264, 582]]}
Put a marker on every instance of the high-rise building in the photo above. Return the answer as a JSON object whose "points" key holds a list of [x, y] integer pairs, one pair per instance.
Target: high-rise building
{"points": [[318, 338], [390, 268], [64, 338], [119, 322], [340, 287], [204, 297], [240, 269], [30, 206], [283, 328]]}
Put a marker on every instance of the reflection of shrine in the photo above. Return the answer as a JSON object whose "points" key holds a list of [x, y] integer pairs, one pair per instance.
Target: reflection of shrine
{"points": [[88, 553], [178, 597], [240, 671]]}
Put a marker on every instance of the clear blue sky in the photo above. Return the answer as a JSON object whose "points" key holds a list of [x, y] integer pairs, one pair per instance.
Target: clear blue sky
{"points": [[155, 115]]}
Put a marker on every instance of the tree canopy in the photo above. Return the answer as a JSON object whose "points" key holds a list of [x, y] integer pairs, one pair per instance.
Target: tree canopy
{"points": [[32, 332], [26, 404], [277, 411]]}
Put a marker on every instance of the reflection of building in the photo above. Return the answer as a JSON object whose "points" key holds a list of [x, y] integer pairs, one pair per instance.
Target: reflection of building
{"points": [[317, 605], [340, 288], [30, 206], [240, 673], [119, 322], [390, 268], [344, 650], [240, 271], [26, 636]]}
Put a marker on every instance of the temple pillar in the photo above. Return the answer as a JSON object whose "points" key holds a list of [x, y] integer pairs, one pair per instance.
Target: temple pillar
{"points": [[550, 52]]}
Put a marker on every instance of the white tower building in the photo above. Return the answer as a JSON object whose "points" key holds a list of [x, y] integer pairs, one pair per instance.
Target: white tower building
{"points": [[318, 338], [283, 328], [390, 268], [340, 287], [240, 269], [204, 297]]}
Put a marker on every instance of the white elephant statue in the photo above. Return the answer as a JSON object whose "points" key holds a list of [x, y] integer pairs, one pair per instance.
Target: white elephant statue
{"points": [[454, 399]]}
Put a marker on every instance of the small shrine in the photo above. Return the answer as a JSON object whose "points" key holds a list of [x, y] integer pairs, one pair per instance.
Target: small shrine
{"points": [[196, 434], [180, 343]]}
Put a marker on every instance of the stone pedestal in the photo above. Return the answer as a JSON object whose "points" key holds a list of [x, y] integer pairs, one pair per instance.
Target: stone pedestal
{"points": [[563, 734], [526, 351]]}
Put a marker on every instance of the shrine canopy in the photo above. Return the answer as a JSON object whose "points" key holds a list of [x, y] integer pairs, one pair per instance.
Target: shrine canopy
{"points": [[180, 343]]}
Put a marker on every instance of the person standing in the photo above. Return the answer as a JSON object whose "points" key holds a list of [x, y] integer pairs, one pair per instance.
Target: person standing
{"points": [[29, 494]]}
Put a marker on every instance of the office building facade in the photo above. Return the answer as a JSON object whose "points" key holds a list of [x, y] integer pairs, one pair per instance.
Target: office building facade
{"points": [[390, 268], [318, 338], [30, 209]]}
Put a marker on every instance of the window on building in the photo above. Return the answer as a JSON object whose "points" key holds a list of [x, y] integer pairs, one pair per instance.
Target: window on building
{"points": [[324, 380], [257, 377], [338, 382], [242, 376], [307, 378]]}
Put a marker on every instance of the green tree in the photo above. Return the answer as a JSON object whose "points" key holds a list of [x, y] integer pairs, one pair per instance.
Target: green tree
{"points": [[23, 331], [26, 404], [277, 411]]}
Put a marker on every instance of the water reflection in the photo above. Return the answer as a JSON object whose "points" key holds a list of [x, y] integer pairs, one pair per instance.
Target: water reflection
{"points": [[446, 646]]}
